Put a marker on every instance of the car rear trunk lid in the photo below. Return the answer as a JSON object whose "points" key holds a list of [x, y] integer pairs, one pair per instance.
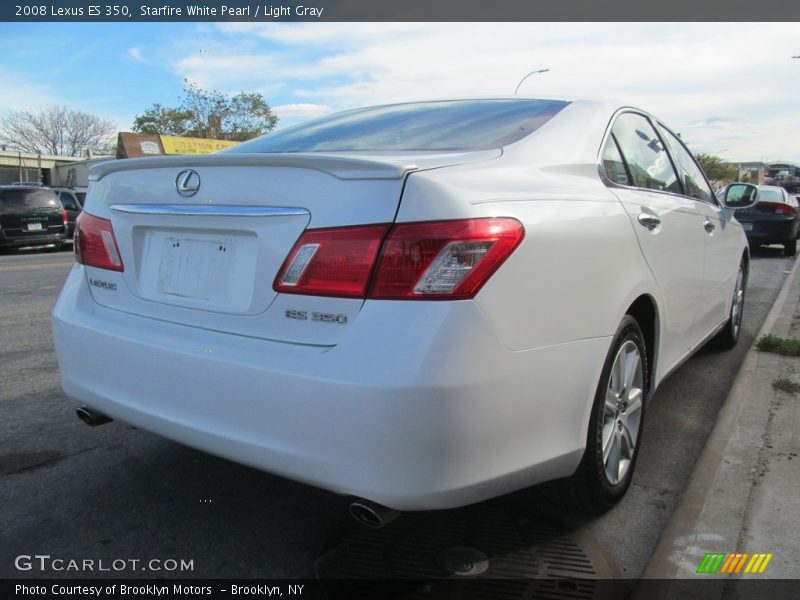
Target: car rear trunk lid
{"points": [[210, 259]]}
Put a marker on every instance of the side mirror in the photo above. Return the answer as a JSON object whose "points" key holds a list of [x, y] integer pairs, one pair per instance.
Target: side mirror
{"points": [[740, 195]]}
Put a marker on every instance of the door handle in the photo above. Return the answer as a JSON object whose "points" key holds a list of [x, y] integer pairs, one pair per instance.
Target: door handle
{"points": [[709, 226], [649, 221]]}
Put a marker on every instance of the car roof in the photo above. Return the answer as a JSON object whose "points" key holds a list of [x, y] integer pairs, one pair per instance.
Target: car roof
{"points": [[33, 188]]}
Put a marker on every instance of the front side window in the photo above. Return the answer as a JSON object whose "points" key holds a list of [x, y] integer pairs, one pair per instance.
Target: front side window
{"points": [[644, 152], [694, 182], [67, 201]]}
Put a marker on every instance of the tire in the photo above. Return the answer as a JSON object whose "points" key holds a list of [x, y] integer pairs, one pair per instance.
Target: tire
{"points": [[603, 477], [729, 335], [790, 248]]}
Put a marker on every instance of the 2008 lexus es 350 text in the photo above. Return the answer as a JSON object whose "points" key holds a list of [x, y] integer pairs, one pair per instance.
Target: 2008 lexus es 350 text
{"points": [[421, 305]]}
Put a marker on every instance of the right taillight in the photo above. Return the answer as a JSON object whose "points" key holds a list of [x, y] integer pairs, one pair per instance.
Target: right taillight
{"points": [[443, 260], [778, 208], [435, 260], [95, 244]]}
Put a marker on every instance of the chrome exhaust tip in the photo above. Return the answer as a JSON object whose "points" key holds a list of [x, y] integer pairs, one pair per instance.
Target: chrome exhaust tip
{"points": [[92, 417], [372, 515]]}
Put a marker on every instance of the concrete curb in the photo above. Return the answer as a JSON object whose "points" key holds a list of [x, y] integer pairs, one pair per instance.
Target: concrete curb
{"points": [[713, 508]]}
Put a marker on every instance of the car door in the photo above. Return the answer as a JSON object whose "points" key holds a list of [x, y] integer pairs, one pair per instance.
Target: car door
{"points": [[722, 240], [669, 226]]}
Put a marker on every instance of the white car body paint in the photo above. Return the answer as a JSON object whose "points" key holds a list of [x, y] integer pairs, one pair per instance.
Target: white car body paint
{"points": [[412, 404]]}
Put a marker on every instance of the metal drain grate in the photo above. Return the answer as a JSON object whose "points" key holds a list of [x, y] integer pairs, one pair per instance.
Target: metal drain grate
{"points": [[488, 551]]}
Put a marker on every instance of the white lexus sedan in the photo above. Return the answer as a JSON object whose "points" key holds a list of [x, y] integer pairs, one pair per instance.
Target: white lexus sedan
{"points": [[419, 305]]}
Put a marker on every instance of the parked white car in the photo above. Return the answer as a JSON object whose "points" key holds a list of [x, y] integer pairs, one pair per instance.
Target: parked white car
{"points": [[420, 305]]}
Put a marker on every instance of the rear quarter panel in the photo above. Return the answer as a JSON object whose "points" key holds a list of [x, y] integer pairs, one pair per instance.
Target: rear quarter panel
{"points": [[579, 266]]}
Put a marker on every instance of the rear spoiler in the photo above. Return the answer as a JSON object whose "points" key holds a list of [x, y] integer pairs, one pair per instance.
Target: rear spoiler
{"points": [[342, 167]]}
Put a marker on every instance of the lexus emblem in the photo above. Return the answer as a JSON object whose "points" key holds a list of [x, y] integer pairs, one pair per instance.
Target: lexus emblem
{"points": [[187, 183]]}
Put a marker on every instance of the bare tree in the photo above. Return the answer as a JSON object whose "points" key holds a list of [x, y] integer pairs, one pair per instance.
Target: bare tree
{"points": [[56, 130]]}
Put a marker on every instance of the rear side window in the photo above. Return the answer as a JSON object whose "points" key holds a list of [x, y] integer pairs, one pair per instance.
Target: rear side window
{"points": [[644, 153], [25, 199], [418, 126], [694, 182], [613, 163]]}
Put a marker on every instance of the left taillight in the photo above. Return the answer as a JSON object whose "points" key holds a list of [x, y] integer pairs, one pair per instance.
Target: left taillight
{"points": [[332, 262], [785, 209], [95, 244]]}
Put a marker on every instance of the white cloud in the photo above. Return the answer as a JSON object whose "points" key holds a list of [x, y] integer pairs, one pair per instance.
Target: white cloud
{"points": [[304, 110], [136, 54], [28, 93], [689, 74]]}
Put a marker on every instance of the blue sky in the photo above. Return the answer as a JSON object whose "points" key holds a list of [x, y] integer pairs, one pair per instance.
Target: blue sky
{"points": [[730, 89]]}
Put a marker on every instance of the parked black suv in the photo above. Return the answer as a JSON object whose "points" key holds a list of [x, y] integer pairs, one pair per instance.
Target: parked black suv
{"points": [[31, 216]]}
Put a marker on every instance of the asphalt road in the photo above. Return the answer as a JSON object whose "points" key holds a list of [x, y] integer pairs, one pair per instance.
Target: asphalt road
{"points": [[114, 492]]}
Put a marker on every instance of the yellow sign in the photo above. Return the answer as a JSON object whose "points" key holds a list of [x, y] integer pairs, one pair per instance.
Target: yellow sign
{"points": [[187, 145]]}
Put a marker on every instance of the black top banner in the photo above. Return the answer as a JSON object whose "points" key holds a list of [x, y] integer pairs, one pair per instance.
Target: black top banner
{"points": [[402, 10]]}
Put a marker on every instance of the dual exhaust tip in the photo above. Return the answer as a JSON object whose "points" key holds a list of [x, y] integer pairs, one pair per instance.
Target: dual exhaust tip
{"points": [[367, 513], [92, 417]]}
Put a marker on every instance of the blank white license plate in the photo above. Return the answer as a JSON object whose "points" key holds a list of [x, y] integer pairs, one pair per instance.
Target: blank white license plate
{"points": [[747, 226], [194, 268], [34, 226]]}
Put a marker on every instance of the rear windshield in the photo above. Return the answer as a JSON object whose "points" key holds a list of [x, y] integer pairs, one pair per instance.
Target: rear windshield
{"points": [[444, 126], [27, 199], [770, 195]]}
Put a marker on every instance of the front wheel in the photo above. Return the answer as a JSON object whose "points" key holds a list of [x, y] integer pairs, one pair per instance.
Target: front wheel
{"points": [[615, 426]]}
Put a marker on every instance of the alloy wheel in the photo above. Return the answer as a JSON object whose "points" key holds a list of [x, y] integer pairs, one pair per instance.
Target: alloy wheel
{"points": [[622, 412], [738, 301]]}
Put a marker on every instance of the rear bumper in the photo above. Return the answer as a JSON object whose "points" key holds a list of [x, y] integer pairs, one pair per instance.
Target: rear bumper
{"points": [[30, 240], [419, 408], [772, 230]]}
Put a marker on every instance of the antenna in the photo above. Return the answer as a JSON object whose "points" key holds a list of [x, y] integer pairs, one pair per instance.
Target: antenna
{"points": [[528, 75]]}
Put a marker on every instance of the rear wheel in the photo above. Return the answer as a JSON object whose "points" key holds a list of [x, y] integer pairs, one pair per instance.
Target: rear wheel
{"points": [[615, 427], [729, 334], [790, 248]]}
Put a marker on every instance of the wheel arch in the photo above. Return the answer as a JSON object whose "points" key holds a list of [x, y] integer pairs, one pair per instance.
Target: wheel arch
{"points": [[645, 310]]}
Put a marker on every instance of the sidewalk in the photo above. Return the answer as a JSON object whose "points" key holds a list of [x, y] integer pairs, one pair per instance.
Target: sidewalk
{"points": [[744, 493]]}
